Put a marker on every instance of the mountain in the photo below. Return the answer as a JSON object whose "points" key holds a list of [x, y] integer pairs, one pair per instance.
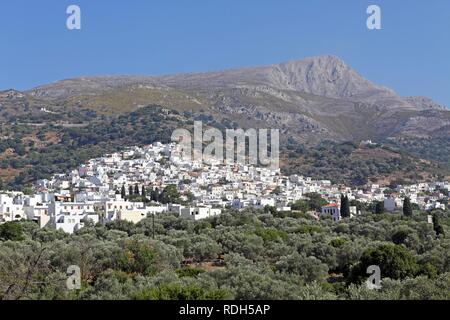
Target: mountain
{"points": [[311, 99], [323, 108], [326, 76], [424, 103]]}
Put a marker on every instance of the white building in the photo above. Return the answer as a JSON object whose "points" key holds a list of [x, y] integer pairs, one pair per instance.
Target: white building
{"points": [[199, 213], [11, 207], [70, 216], [332, 210]]}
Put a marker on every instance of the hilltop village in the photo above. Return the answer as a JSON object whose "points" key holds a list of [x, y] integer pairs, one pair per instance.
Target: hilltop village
{"points": [[143, 181]]}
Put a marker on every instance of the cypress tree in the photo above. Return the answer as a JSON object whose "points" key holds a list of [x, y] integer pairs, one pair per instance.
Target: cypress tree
{"points": [[152, 196], [155, 195], [407, 207], [379, 207], [130, 190], [123, 192], [345, 207], [143, 192], [136, 190], [437, 225]]}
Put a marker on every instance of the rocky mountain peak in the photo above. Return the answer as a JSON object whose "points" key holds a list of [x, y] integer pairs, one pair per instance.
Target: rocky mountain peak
{"points": [[326, 76]]}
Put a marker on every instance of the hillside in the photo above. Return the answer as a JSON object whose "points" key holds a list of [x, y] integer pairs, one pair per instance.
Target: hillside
{"points": [[311, 101]]}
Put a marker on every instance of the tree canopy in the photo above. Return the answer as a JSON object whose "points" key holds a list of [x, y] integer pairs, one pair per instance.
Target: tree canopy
{"points": [[250, 254]]}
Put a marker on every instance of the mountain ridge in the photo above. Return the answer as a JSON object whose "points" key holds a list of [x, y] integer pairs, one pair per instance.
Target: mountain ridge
{"points": [[319, 104], [311, 99], [285, 75]]}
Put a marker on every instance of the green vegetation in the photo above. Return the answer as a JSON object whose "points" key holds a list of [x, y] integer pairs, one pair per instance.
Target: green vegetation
{"points": [[75, 145], [189, 272], [407, 207], [265, 256], [37, 145], [379, 207], [300, 205], [395, 260], [11, 231], [352, 164], [345, 206], [170, 194], [434, 148], [315, 201], [437, 225], [173, 291]]}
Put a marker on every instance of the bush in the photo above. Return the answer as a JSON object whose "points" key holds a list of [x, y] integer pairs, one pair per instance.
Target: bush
{"points": [[175, 291], [189, 272], [394, 261], [138, 258], [12, 231]]}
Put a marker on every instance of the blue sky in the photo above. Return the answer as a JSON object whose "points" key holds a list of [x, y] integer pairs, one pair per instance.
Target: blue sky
{"points": [[411, 54]]}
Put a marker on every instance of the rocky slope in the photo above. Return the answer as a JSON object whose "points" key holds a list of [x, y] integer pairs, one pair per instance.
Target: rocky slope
{"points": [[311, 99], [319, 104]]}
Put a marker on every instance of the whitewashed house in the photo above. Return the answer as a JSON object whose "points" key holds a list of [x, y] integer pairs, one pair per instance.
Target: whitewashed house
{"points": [[332, 210], [199, 213]]}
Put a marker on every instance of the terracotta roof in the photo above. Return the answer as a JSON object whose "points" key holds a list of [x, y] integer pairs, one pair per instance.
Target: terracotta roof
{"points": [[331, 205]]}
